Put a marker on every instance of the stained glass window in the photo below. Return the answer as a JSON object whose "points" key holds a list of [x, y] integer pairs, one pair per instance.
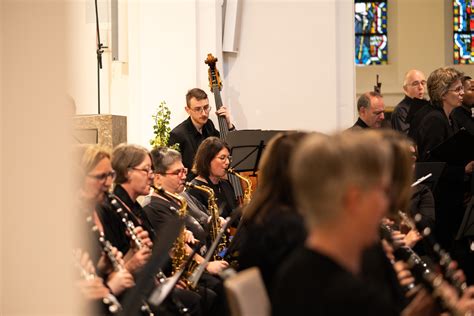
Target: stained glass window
{"points": [[463, 19], [370, 32]]}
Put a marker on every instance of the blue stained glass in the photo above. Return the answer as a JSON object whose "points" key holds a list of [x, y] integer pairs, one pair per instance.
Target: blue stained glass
{"points": [[371, 32], [463, 27]]}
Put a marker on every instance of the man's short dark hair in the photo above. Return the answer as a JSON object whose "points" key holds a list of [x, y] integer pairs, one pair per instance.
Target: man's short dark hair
{"points": [[364, 99], [197, 93]]}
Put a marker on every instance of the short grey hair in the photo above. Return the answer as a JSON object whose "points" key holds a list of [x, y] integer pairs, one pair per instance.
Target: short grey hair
{"points": [[439, 82]]}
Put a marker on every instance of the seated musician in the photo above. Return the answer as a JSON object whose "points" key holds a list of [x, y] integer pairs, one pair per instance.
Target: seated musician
{"points": [[210, 165], [170, 175], [96, 176], [342, 201], [134, 169], [271, 228]]}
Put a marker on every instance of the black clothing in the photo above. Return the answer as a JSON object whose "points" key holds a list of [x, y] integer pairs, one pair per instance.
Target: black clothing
{"points": [[189, 139], [160, 212], [422, 202], [377, 271], [223, 191], [462, 117], [434, 129], [310, 283], [401, 115], [359, 124], [267, 244], [417, 112]]}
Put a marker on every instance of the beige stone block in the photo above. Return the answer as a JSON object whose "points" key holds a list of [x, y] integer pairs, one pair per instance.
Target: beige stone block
{"points": [[103, 129]]}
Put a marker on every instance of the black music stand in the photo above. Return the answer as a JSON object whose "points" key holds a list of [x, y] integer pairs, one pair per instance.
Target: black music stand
{"points": [[424, 168], [457, 149], [467, 226], [246, 148]]}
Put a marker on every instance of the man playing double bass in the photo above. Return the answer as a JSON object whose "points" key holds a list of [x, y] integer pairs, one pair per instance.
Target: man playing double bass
{"points": [[191, 132]]}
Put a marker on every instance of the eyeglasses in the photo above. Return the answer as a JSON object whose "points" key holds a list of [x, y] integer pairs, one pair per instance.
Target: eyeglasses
{"points": [[417, 83], [206, 108], [178, 172], [103, 176], [147, 170], [457, 90], [223, 158]]}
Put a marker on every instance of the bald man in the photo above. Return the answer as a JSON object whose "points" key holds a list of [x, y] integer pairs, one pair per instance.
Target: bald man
{"points": [[414, 86]]}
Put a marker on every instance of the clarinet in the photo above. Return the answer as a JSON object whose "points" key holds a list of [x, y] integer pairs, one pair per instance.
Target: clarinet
{"points": [[130, 228], [430, 280], [442, 256], [129, 225], [112, 303], [405, 253]]}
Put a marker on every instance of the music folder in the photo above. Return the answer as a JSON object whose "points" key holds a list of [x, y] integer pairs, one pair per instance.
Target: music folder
{"points": [[457, 149]]}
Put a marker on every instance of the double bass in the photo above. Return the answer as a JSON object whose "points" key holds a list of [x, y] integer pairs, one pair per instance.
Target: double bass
{"points": [[215, 84]]}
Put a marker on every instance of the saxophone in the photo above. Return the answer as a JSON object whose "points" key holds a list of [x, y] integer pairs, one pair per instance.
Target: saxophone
{"points": [[179, 247], [215, 224], [248, 185]]}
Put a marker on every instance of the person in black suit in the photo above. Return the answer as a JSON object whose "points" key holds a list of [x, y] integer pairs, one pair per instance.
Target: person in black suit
{"points": [[414, 86], [370, 106], [191, 132]]}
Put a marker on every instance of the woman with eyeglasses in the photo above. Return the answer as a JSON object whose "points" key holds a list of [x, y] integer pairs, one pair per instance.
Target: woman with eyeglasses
{"points": [[446, 93], [170, 175], [134, 168], [96, 176], [210, 165]]}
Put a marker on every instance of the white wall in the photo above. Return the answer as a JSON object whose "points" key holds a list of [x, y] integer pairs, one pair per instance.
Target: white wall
{"points": [[293, 58]]}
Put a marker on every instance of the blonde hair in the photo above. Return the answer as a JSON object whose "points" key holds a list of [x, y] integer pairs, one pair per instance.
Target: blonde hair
{"points": [[88, 156], [439, 82], [323, 168]]}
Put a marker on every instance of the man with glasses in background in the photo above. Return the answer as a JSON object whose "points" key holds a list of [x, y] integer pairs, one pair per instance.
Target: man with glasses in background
{"points": [[197, 127], [414, 86]]}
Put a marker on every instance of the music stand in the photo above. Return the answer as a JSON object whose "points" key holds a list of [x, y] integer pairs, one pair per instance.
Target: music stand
{"points": [[467, 226], [246, 147], [424, 168], [457, 149]]}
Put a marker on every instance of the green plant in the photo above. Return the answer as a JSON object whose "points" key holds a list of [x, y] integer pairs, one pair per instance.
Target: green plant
{"points": [[161, 127]]}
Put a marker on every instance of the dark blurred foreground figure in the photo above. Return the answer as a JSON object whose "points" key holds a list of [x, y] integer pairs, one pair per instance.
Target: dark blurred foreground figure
{"points": [[271, 227]]}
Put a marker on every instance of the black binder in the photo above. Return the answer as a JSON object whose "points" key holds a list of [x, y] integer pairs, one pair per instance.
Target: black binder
{"points": [[457, 149]]}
